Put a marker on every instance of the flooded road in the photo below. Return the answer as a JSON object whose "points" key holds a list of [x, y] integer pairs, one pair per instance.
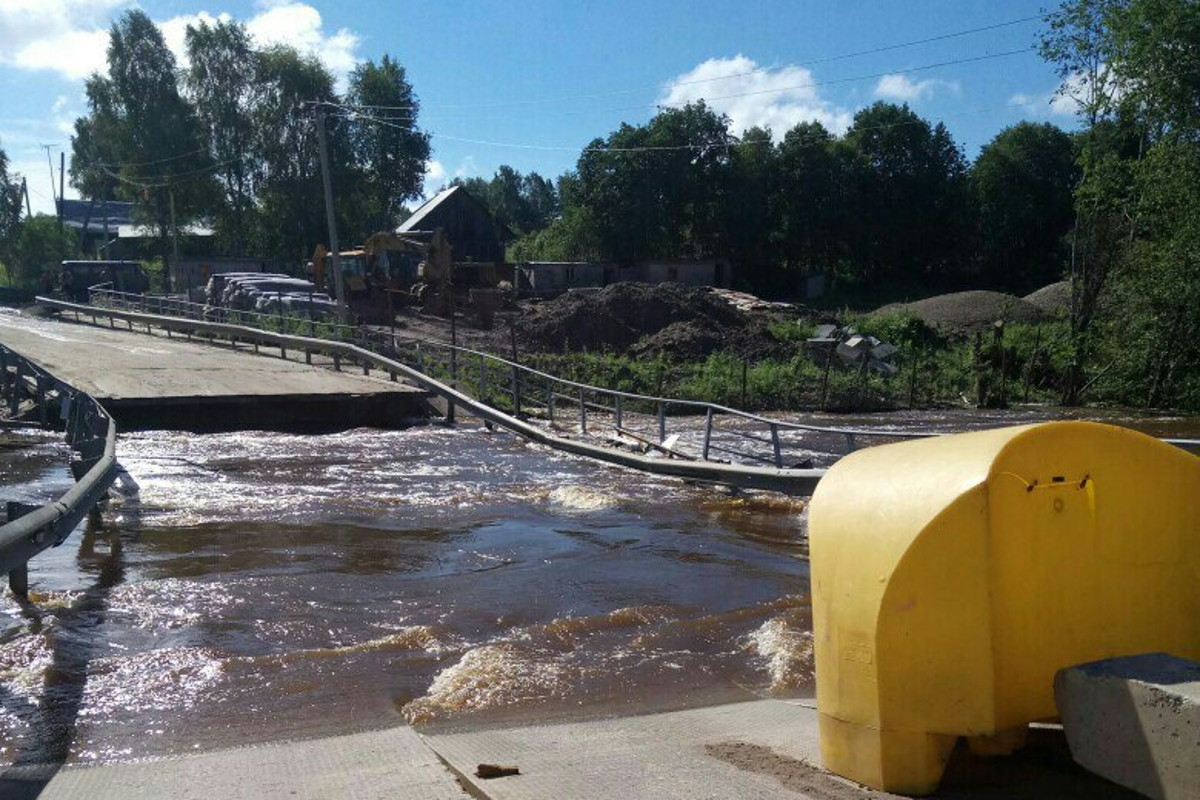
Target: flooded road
{"points": [[270, 586]]}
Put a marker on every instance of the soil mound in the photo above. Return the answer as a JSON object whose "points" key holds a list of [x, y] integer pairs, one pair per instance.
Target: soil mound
{"points": [[1053, 299], [678, 322], [966, 312]]}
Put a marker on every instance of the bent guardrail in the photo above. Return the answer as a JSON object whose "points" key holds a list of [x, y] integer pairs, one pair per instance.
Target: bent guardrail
{"points": [[728, 434], [792, 481], [90, 432]]}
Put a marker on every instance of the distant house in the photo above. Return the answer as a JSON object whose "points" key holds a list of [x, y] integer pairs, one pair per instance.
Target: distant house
{"points": [[91, 220], [705, 272], [474, 234], [108, 228], [551, 278]]}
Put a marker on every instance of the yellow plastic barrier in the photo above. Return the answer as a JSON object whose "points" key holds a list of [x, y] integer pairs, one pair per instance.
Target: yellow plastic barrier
{"points": [[952, 577]]}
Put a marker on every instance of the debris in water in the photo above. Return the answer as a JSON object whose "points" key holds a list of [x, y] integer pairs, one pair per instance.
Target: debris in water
{"points": [[489, 771]]}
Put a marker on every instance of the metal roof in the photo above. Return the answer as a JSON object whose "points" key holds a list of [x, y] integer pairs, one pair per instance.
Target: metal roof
{"points": [[413, 223]]}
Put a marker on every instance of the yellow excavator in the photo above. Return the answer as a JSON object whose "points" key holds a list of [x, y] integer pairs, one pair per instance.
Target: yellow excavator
{"points": [[391, 271]]}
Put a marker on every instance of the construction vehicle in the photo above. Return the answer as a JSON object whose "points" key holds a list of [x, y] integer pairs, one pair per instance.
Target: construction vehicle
{"points": [[391, 271]]}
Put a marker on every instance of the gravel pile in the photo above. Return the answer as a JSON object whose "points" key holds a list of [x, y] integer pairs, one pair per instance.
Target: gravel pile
{"points": [[1054, 299], [967, 312]]}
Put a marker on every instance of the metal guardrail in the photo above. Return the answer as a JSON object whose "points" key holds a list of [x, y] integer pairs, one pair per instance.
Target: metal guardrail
{"points": [[793, 481], [90, 432], [728, 434]]}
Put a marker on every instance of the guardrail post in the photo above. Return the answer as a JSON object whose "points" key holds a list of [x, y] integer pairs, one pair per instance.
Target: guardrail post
{"points": [[662, 422], [337, 362], [582, 412], [617, 411], [41, 400], [307, 356], [14, 397], [851, 445], [482, 378], [708, 417], [516, 391], [18, 578], [366, 368], [775, 444], [550, 402]]}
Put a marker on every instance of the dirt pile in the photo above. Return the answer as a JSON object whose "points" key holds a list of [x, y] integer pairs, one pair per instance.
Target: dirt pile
{"points": [[677, 322], [966, 312], [1053, 299]]}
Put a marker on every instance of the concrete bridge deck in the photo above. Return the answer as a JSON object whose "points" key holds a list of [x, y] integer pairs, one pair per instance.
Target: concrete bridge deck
{"points": [[161, 382], [757, 750]]}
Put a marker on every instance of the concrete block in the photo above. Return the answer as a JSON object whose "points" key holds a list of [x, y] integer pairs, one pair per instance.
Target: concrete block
{"points": [[1135, 721]]}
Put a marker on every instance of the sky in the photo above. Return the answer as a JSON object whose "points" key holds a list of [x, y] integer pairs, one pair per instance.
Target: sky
{"points": [[530, 82]]}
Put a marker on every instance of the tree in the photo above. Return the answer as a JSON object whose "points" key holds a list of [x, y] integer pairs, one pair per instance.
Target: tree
{"points": [[222, 82], [1024, 181], [140, 132], [814, 174], [386, 140], [522, 203], [41, 245], [10, 213], [287, 172], [658, 190], [908, 189]]}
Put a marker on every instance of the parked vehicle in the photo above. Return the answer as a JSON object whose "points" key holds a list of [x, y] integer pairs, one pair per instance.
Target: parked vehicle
{"points": [[76, 277]]}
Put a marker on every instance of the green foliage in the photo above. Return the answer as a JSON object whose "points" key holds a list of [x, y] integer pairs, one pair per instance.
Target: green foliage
{"points": [[140, 138], [392, 152], [525, 204], [39, 247], [1024, 181]]}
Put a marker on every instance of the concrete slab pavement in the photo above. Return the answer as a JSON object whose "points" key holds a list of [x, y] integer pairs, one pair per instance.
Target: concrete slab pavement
{"points": [[391, 764]]}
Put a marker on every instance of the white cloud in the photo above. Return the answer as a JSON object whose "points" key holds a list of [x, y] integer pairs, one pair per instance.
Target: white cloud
{"points": [[70, 37], [300, 25], [174, 31], [778, 99], [1068, 99], [904, 89]]}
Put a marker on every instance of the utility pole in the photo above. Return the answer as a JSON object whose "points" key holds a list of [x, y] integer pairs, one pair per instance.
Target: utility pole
{"points": [[62, 174], [174, 236], [50, 164], [330, 219], [25, 191]]}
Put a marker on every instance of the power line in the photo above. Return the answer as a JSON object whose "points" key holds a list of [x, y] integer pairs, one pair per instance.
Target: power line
{"points": [[162, 181], [760, 71], [103, 164], [357, 113]]}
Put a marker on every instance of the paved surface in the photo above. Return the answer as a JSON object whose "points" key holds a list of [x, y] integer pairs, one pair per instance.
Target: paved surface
{"points": [[389, 765], [661, 756], [120, 365], [759, 750]]}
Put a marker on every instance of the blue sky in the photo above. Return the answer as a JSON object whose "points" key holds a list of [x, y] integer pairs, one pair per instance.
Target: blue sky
{"points": [[550, 76]]}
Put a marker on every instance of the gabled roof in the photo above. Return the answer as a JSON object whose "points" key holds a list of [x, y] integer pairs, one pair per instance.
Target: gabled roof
{"points": [[423, 211], [78, 213], [418, 220]]}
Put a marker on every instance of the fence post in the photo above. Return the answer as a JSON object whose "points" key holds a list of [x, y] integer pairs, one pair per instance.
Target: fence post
{"points": [[708, 418], [550, 401], [337, 362], [775, 444], [482, 378], [582, 412], [617, 411], [662, 422]]}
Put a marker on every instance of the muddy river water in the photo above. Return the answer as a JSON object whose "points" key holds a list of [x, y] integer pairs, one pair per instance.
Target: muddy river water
{"points": [[271, 586]]}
